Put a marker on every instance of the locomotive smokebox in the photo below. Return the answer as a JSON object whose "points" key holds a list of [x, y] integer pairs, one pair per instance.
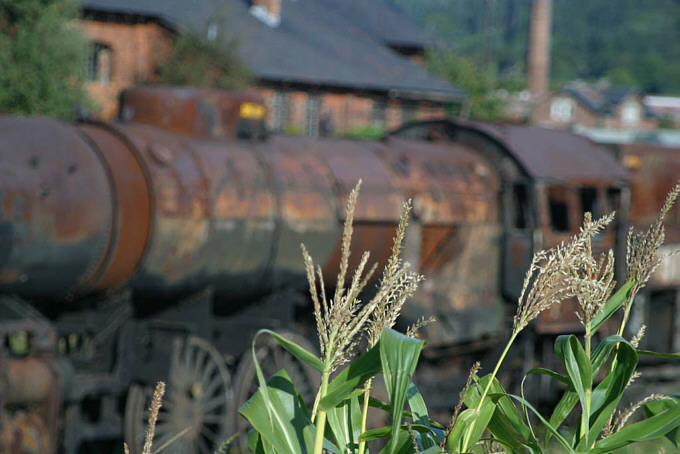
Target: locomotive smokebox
{"points": [[56, 208]]}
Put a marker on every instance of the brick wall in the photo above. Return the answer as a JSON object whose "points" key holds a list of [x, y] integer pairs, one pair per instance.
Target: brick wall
{"points": [[585, 117], [135, 50], [580, 115], [348, 112]]}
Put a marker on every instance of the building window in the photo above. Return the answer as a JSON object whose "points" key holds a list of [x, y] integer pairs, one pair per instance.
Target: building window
{"points": [[520, 206], [561, 109], [408, 111], [558, 205], [99, 63], [379, 113], [630, 114], [312, 116], [280, 110]]}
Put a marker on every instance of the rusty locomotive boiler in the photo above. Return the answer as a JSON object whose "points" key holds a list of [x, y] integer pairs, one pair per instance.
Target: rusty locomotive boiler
{"points": [[153, 248]]}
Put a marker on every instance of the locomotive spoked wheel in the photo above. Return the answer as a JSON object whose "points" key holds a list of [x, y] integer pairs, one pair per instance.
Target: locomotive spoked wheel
{"points": [[272, 358], [197, 403]]}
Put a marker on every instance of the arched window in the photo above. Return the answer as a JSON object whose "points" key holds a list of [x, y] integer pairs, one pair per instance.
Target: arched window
{"points": [[99, 63]]}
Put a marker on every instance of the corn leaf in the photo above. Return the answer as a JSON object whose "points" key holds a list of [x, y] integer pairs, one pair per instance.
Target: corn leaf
{"points": [[601, 353], [506, 424], [561, 411], [380, 405], [281, 419], [350, 381], [399, 357], [606, 396], [612, 305], [659, 406], [386, 432], [420, 416], [402, 444], [296, 350], [546, 424], [465, 420], [659, 355], [345, 423], [257, 445], [577, 364], [651, 428], [550, 373]]}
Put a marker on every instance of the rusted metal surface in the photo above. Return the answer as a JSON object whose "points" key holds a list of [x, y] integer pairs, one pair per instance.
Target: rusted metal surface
{"points": [[31, 383], [449, 183], [24, 433], [56, 208], [308, 206], [180, 225], [551, 153], [654, 170], [199, 113], [132, 210], [379, 205], [28, 380], [243, 216]]}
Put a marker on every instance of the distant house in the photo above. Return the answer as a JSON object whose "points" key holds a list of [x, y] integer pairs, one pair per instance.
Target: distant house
{"points": [[667, 107], [594, 106], [321, 65]]}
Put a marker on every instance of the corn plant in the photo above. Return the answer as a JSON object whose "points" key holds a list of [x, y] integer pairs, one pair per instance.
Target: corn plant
{"points": [[486, 415]]}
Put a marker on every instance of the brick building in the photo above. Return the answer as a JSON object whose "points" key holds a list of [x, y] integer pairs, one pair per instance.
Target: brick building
{"points": [[594, 106], [322, 66]]}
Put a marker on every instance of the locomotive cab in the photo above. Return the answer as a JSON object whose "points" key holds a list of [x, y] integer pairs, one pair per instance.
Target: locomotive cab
{"points": [[550, 179]]}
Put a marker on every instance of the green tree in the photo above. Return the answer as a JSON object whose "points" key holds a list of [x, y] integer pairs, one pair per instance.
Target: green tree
{"points": [[200, 62], [42, 56], [479, 84]]}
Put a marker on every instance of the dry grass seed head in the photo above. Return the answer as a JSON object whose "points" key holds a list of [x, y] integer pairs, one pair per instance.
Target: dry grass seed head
{"points": [[635, 341], [343, 320], [593, 286], [154, 409], [552, 273], [422, 322], [642, 256], [340, 320], [625, 416], [476, 367], [397, 284]]}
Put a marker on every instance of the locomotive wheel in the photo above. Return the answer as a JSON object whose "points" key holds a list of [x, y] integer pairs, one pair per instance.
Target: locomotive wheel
{"points": [[272, 358], [197, 403]]}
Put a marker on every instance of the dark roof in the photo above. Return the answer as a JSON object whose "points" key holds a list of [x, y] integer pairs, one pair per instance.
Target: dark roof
{"points": [[382, 21], [318, 42], [551, 153], [604, 100]]}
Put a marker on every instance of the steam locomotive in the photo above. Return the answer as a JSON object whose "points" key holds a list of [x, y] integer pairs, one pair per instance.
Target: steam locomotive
{"points": [[153, 248]]}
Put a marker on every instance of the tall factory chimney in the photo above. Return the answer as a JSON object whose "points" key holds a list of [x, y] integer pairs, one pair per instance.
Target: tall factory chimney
{"points": [[539, 47]]}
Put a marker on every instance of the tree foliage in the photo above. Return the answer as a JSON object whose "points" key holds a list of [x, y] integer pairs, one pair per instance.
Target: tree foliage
{"points": [[479, 84], [626, 40], [42, 58], [199, 62]]}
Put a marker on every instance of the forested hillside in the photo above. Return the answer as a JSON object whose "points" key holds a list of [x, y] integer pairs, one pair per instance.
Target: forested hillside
{"points": [[632, 42]]}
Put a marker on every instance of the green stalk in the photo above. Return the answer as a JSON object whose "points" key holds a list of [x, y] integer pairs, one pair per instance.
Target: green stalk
{"points": [[320, 420], [622, 327], [364, 414], [589, 390], [468, 433]]}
